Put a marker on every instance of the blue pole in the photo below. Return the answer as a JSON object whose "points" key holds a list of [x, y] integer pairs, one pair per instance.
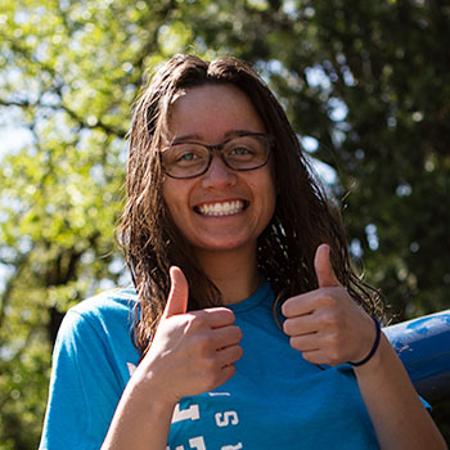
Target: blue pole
{"points": [[423, 345]]}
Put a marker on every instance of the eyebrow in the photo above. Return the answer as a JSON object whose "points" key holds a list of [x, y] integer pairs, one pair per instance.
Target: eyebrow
{"points": [[198, 137]]}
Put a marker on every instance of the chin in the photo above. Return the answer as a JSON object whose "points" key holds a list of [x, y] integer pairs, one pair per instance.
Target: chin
{"points": [[223, 246]]}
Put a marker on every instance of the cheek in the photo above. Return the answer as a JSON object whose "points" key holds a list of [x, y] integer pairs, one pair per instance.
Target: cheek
{"points": [[171, 194], [175, 195], [170, 203], [267, 190]]}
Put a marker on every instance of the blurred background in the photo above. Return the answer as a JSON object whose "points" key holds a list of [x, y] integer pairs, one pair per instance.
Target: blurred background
{"points": [[366, 86]]}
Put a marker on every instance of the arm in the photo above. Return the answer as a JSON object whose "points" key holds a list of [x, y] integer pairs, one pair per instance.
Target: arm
{"points": [[330, 328], [397, 414], [87, 377], [140, 418], [192, 353]]}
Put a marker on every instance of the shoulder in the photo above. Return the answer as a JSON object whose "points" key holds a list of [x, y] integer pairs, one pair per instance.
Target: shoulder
{"points": [[108, 314], [91, 366], [113, 302]]}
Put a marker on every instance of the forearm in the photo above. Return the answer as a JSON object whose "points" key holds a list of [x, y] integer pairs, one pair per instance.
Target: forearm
{"points": [[139, 423], [398, 416], [191, 354]]}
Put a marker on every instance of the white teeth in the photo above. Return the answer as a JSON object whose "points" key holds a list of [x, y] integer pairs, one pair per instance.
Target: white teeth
{"points": [[222, 209]]}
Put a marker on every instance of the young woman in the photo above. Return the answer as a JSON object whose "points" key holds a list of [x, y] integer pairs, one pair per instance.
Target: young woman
{"points": [[251, 330]]}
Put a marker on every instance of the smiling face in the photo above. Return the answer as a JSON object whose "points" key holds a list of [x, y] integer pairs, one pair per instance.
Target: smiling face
{"points": [[223, 209]]}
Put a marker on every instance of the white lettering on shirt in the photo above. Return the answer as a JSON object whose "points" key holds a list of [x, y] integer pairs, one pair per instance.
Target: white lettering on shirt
{"points": [[224, 419], [191, 413], [217, 394], [232, 447], [197, 443]]}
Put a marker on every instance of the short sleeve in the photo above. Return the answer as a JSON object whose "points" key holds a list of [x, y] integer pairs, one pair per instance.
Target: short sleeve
{"points": [[426, 405], [85, 387]]}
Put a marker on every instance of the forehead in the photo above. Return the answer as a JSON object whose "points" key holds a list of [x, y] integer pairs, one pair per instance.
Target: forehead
{"points": [[211, 111]]}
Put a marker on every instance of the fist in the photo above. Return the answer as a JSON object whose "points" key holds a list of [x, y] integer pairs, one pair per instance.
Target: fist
{"points": [[326, 324], [192, 352]]}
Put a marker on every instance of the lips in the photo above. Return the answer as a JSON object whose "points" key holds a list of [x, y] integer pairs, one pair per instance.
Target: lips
{"points": [[218, 209]]}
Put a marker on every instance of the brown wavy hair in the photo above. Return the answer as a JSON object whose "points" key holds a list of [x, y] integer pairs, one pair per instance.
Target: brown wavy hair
{"points": [[303, 218]]}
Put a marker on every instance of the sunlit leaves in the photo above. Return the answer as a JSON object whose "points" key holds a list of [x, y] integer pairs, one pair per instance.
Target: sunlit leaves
{"points": [[367, 83]]}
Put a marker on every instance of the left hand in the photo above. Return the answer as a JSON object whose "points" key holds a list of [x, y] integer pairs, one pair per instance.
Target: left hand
{"points": [[326, 324]]}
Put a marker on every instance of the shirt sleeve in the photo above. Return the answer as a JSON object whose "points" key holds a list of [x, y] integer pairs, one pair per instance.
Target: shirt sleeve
{"points": [[427, 406], [84, 387]]}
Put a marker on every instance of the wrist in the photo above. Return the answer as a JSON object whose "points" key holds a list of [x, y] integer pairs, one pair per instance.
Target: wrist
{"points": [[145, 385], [373, 350], [376, 363], [143, 415]]}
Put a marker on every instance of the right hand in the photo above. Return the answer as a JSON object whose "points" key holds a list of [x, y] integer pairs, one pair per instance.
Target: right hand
{"points": [[192, 352]]}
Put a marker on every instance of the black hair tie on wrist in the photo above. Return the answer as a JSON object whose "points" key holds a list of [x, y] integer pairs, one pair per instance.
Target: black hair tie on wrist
{"points": [[374, 348]]}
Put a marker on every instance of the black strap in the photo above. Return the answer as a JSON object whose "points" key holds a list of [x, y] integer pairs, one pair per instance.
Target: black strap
{"points": [[374, 348]]}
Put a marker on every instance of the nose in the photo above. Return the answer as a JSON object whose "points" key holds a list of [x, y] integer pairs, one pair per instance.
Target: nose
{"points": [[218, 174]]}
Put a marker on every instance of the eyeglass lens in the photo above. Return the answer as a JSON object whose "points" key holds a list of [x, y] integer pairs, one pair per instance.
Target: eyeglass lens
{"points": [[189, 159]]}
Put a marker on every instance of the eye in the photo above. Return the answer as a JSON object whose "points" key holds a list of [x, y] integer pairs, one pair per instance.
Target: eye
{"points": [[241, 151], [187, 157]]}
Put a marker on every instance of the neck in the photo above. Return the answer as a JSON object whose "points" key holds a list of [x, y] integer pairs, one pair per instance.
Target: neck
{"points": [[235, 274]]}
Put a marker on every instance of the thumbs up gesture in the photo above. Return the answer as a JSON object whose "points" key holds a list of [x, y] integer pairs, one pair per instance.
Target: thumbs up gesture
{"points": [[177, 302], [326, 324], [192, 352]]}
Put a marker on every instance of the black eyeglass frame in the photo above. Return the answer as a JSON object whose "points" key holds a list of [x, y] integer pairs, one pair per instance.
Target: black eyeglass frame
{"points": [[218, 148]]}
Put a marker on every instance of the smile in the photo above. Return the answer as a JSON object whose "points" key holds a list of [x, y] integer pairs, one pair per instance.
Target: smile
{"points": [[222, 209]]}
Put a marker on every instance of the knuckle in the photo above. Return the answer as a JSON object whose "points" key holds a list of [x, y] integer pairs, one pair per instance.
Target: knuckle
{"points": [[294, 343], [328, 301], [231, 370], [239, 352], [192, 324], [202, 346], [210, 365], [231, 315], [236, 333], [196, 321], [287, 326], [286, 308], [330, 320], [224, 314]]}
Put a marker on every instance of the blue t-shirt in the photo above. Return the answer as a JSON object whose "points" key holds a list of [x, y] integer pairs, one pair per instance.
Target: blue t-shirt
{"points": [[276, 400]]}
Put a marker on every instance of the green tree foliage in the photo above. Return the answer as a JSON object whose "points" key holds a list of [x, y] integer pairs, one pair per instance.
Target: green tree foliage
{"points": [[366, 85]]}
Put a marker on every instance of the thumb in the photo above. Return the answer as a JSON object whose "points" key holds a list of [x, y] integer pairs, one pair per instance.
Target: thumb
{"points": [[324, 270], [177, 301]]}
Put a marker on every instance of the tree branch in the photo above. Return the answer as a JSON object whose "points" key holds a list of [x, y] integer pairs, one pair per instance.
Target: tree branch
{"points": [[62, 107]]}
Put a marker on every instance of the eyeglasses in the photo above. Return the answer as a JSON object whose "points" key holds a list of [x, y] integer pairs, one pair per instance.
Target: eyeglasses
{"points": [[185, 160]]}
